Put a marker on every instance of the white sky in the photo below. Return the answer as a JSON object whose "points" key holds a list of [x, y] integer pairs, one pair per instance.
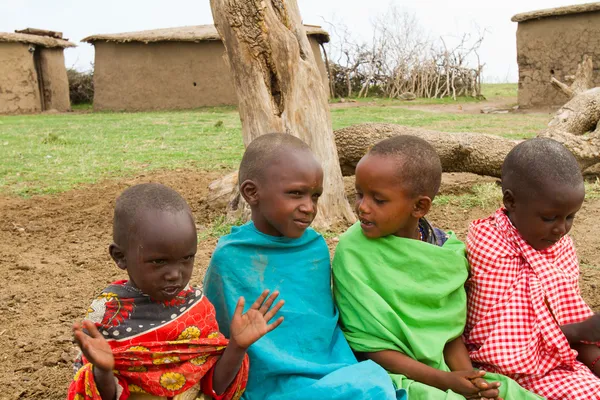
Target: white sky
{"points": [[81, 18]]}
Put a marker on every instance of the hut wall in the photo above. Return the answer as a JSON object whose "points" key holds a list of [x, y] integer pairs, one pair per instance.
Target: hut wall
{"points": [[55, 81], [19, 92], [163, 75], [166, 75], [554, 46]]}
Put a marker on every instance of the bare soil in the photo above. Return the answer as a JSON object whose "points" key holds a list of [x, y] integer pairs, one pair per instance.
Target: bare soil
{"points": [[54, 260]]}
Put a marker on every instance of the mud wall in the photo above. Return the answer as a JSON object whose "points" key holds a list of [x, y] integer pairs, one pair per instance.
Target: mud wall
{"points": [[19, 92], [165, 75], [54, 78], [554, 47]]}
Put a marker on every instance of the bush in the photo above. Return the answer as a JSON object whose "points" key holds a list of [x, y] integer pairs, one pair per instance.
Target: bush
{"points": [[81, 86]]}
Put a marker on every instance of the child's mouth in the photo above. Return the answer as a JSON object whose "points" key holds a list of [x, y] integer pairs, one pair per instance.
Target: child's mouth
{"points": [[366, 224], [171, 290], [302, 223]]}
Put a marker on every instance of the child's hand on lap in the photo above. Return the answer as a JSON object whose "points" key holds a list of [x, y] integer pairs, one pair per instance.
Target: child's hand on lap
{"points": [[471, 385], [93, 346], [247, 328], [488, 390]]}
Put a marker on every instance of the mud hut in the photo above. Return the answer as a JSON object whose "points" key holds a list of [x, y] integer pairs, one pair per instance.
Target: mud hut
{"points": [[33, 76], [175, 68], [551, 43]]}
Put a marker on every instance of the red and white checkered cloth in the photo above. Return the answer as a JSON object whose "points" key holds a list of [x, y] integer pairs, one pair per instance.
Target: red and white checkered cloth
{"points": [[518, 298]]}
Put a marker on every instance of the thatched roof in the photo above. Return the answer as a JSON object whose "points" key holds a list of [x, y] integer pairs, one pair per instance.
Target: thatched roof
{"points": [[44, 41], [197, 33], [556, 12]]}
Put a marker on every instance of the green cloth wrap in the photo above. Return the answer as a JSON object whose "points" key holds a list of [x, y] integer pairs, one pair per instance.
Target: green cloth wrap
{"points": [[406, 295]]}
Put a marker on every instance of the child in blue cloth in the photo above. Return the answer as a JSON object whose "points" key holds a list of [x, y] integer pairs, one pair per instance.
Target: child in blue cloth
{"points": [[307, 357]]}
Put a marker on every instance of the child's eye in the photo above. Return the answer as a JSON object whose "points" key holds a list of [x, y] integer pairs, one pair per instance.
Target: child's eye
{"points": [[378, 201], [571, 217], [548, 219], [188, 258], [359, 195], [295, 193], [158, 262], [316, 196]]}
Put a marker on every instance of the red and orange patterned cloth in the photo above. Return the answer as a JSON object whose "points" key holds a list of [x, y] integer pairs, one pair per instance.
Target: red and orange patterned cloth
{"points": [[161, 349], [518, 298]]}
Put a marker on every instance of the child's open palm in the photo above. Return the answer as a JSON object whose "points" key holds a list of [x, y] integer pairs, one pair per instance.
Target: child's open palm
{"points": [[93, 346], [249, 327]]}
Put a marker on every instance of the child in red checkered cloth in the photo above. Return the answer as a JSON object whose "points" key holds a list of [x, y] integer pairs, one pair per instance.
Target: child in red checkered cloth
{"points": [[526, 317]]}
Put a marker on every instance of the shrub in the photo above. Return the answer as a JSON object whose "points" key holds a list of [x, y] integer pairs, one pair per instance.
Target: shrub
{"points": [[81, 86]]}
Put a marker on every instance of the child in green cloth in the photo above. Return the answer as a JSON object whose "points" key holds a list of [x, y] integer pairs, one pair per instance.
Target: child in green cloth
{"points": [[399, 283]]}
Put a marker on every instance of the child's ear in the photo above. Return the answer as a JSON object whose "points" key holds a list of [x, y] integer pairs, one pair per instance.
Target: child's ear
{"points": [[422, 206], [249, 192], [508, 198], [118, 256]]}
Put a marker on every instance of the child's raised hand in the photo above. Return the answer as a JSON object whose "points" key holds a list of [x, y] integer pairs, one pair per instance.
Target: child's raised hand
{"points": [[94, 347], [249, 327]]}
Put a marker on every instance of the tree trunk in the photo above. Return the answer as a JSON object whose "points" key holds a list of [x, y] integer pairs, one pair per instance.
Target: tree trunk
{"points": [[279, 87], [580, 115], [459, 152]]}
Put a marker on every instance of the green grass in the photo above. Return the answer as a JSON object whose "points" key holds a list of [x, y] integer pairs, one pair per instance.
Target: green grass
{"points": [[485, 195], [592, 190], [489, 195], [50, 153], [219, 227], [82, 107], [513, 126], [494, 90], [53, 153]]}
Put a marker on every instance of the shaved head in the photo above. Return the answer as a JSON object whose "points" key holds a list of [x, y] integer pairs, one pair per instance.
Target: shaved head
{"points": [[265, 151], [535, 164], [419, 166], [138, 198]]}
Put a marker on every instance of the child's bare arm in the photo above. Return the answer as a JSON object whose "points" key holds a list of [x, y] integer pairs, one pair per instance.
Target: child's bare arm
{"points": [[245, 330], [98, 352], [588, 354], [227, 367], [457, 355], [459, 381], [585, 331]]}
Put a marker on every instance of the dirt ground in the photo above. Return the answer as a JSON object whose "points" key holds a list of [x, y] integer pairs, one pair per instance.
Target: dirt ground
{"points": [[54, 260]]}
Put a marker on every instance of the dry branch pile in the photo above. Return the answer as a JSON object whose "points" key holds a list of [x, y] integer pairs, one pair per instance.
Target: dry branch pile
{"points": [[401, 60]]}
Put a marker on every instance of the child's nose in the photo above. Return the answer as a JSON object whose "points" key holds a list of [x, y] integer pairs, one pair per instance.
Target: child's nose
{"points": [[361, 207], [307, 207], [174, 272], [559, 228]]}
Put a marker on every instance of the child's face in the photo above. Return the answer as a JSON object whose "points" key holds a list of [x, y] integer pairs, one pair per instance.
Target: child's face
{"points": [[544, 219], [159, 257], [287, 196], [383, 205]]}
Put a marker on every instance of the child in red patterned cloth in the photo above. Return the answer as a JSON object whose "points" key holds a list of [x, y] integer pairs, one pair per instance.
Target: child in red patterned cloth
{"points": [[526, 317], [153, 334]]}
